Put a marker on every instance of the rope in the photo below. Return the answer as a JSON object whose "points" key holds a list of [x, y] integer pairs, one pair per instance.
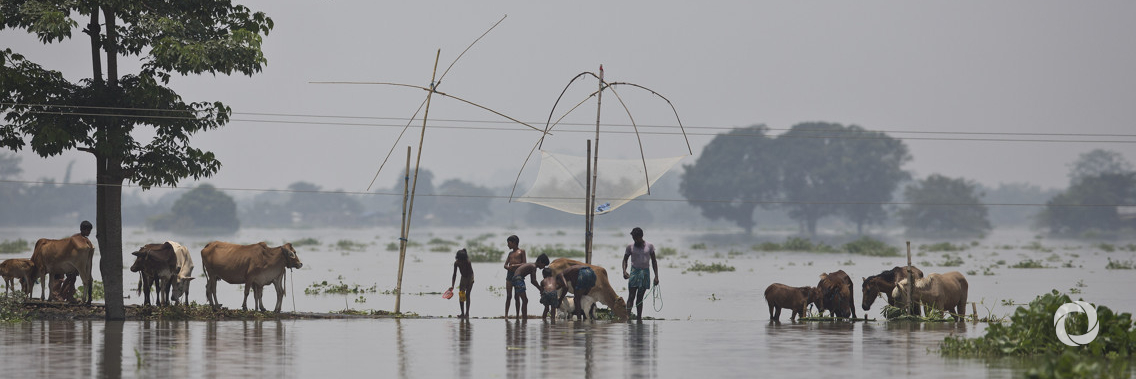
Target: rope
{"points": [[657, 298]]}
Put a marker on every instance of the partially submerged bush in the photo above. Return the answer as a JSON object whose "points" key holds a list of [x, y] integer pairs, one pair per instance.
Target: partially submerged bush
{"points": [[13, 247], [1030, 333], [713, 267], [871, 247]]}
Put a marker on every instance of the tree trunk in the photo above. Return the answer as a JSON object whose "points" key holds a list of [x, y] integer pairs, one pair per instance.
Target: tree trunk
{"points": [[108, 201]]}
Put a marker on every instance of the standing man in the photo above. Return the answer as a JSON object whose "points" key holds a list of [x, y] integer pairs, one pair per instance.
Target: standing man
{"points": [[65, 286], [514, 259], [639, 280]]}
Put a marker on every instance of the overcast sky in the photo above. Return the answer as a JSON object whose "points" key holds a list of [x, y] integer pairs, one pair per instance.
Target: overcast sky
{"points": [[986, 67]]}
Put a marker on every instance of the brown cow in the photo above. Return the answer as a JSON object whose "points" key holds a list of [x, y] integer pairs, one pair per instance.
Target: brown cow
{"points": [[797, 299], [947, 292], [884, 282], [836, 294], [253, 265], [602, 293], [158, 265], [18, 268], [72, 255]]}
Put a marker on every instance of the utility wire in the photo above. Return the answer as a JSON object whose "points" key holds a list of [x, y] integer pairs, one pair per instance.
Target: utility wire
{"points": [[296, 115], [503, 197]]}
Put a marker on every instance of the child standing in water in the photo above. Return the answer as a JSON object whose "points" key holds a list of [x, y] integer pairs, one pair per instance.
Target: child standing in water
{"points": [[515, 259], [462, 264]]}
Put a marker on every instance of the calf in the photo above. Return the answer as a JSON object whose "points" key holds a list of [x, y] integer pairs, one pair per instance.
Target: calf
{"points": [[18, 268], [157, 263], [797, 299]]}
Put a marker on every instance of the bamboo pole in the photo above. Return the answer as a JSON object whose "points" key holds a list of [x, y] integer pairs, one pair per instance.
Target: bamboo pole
{"points": [[414, 185], [587, 206], [910, 282], [402, 234], [595, 171]]}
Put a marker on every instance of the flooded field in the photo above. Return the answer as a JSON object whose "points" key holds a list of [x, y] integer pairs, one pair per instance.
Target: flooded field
{"points": [[712, 322]]}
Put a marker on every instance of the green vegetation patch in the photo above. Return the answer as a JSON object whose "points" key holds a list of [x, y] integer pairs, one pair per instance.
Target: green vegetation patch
{"points": [[942, 246], [698, 266], [14, 247], [341, 288], [483, 253], [1029, 263], [12, 308], [1030, 334], [871, 247], [796, 244], [556, 251], [1119, 265], [97, 291], [349, 245], [306, 242]]}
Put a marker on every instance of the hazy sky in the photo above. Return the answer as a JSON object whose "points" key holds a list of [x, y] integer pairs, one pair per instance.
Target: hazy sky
{"points": [[989, 67]]}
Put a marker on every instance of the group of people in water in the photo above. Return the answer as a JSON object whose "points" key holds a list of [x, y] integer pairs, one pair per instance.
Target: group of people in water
{"points": [[578, 278]]}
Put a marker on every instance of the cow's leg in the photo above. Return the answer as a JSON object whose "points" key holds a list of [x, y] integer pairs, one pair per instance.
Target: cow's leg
{"points": [[258, 298], [146, 283], [211, 291], [244, 304], [88, 284], [279, 284]]}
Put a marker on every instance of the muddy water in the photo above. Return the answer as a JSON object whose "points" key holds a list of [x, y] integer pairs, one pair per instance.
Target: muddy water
{"points": [[713, 323]]}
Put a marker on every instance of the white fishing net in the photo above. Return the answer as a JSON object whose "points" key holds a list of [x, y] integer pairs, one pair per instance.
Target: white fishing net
{"points": [[562, 181]]}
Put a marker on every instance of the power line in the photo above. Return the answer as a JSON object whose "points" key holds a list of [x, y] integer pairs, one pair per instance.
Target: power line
{"points": [[324, 192], [836, 134]]}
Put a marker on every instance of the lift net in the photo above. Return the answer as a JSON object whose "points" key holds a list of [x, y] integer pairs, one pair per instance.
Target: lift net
{"points": [[562, 181]]}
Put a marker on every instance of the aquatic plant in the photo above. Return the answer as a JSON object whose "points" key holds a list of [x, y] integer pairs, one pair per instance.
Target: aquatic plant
{"points": [[439, 241], [349, 245], [556, 251], [306, 242], [1107, 247], [1029, 263], [942, 246], [12, 308], [698, 246], [951, 261], [1028, 334], [664, 252], [341, 288], [482, 253], [871, 247], [13, 247], [713, 267], [1119, 265], [97, 291]]}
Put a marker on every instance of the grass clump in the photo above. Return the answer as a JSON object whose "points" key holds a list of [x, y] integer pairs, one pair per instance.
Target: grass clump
{"points": [[482, 253], [1029, 263], [796, 244], [12, 308], [97, 291], [951, 261], [306, 242], [341, 289], [556, 251], [942, 246], [349, 245], [1119, 265], [871, 247], [698, 266], [1029, 334], [666, 252], [13, 247]]}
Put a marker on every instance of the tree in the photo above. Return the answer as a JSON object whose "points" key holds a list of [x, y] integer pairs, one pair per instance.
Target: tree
{"points": [[322, 209], [99, 114], [1096, 163], [462, 203], [735, 173], [9, 165], [823, 163], [1091, 205], [202, 210], [944, 207]]}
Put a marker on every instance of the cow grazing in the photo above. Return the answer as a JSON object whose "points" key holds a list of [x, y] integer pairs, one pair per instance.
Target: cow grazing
{"points": [[157, 263], [836, 294], [602, 293], [18, 268], [254, 266], [797, 299], [72, 255], [947, 292], [185, 272]]}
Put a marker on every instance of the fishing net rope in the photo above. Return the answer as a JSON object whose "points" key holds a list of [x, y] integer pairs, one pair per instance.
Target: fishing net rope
{"points": [[562, 180]]}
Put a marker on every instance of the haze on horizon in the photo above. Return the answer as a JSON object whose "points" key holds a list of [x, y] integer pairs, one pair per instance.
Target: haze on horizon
{"points": [[1042, 70]]}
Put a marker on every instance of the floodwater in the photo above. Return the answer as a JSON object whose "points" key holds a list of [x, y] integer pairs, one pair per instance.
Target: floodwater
{"points": [[712, 323]]}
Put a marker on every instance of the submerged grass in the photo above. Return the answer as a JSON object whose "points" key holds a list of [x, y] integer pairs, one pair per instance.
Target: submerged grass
{"points": [[698, 266], [13, 247], [1119, 265]]}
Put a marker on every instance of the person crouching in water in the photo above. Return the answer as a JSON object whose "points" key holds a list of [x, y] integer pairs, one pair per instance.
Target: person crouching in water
{"points": [[550, 294], [518, 284], [462, 265], [581, 278]]}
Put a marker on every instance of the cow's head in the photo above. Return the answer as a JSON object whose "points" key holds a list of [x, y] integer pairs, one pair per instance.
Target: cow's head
{"points": [[140, 260], [291, 260], [180, 287], [620, 308]]}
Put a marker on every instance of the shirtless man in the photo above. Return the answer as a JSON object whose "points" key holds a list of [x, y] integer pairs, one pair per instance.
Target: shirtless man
{"points": [[519, 274], [515, 258], [580, 279]]}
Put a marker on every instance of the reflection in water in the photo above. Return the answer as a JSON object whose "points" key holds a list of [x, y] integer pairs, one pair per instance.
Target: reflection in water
{"points": [[515, 346], [642, 350], [110, 354], [464, 337]]}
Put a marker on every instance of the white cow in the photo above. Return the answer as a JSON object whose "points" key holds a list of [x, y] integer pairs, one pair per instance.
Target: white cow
{"points": [[185, 272]]}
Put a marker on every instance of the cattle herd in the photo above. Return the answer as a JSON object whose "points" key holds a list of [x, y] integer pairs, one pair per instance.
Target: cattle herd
{"points": [[946, 292], [167, 267]]}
